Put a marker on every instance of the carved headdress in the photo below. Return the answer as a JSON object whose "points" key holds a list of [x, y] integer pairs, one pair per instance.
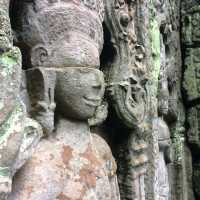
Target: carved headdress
{"points": [[75, 24]]}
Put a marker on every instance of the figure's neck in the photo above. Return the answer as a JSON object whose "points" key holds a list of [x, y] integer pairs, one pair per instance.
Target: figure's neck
{"points": [[72, 131]]}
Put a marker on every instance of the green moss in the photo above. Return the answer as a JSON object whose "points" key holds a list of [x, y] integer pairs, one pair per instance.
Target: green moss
{"points": [[12, 124], [9, 60], [155, 48], [178, 142], [4, 172], [155, 62]]}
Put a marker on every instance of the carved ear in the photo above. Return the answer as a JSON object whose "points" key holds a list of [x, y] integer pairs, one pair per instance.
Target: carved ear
{"points": [[39, 55]]}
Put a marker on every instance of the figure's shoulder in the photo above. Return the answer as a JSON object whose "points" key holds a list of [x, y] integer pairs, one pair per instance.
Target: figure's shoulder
{"points": [[104, 151], [100, 145]]}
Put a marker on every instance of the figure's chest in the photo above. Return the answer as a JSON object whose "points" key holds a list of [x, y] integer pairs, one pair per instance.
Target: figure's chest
{"points": [[81, 175]]}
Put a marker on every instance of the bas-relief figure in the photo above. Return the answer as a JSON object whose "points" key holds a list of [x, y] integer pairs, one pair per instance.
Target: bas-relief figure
{"points": [[67, 163], [61, 43], [55, 39], [62, 88], [70, 163]]}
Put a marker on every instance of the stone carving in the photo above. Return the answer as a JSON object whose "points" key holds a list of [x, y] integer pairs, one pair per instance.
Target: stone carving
{"points": [[194, 125], [70, 151], [164, 157], [191, 83], [56, 36], [191, 75], [190, 33], [126, 81], [40, 88], [70, 162], [62, 89], [18, 134]]}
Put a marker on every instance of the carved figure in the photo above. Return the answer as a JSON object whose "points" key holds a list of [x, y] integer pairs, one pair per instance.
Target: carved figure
{"points": [[67, 158], [66, 163], [164, 157]]}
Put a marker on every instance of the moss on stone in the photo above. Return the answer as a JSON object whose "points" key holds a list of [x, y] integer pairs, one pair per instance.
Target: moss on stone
{"points": [[9, 60], [13, 123], [155, 62]]}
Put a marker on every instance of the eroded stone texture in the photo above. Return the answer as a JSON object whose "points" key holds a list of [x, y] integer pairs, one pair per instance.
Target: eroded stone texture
{"points": [[126, 80], [40, 88], [69, 163], [164, 157], [62, 33], [18, 134], [64, 40], [191, 84], [61, 43]]}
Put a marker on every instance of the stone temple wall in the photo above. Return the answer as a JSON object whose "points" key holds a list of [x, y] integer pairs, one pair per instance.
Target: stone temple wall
{"points": [[99, 99]]}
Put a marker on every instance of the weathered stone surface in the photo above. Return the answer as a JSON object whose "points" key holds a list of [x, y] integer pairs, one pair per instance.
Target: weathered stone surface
{"points": [[18, 134], [66, 165], [67, 158], [191, 75], [40, 88], [162, 130], [62, 33], [66, 162], [141, 115]]}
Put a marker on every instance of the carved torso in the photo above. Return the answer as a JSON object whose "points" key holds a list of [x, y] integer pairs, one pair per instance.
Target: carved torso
{"points": [[65, 166]]}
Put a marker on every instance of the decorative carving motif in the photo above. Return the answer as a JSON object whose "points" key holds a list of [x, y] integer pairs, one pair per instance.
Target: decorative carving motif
{"points": [[126, 82], [191, 23]]}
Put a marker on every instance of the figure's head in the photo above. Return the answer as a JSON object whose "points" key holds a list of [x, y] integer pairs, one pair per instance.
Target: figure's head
{"points": [[78, 92], [62, 33]]}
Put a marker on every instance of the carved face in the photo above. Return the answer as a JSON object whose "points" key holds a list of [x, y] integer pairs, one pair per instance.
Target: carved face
{"points": [[79, 91]]}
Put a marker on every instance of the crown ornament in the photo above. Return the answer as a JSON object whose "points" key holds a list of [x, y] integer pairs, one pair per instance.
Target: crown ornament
{"points": [[53, 19], [96, 6]]}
